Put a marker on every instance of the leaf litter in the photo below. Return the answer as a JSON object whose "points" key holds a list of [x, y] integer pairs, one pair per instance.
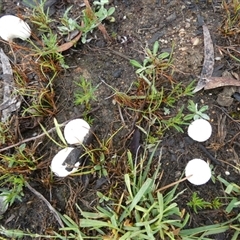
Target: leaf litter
{"points": [[207, 81]]}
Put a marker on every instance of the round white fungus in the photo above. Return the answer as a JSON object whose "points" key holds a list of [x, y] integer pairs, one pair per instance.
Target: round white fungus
{"points": [[13, 27], [200, 130], [199, 170], [75, 131], [57, 166]]}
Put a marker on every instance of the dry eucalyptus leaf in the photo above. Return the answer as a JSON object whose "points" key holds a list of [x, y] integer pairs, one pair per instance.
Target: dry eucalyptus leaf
{"points": [[208, 63], [215, 82], [69, 44]]}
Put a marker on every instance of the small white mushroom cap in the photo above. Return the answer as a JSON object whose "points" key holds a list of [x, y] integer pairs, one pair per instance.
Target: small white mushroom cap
{"points": [[57, 166], [76, 130], [13, 27], [199, 170], [200, 130]]}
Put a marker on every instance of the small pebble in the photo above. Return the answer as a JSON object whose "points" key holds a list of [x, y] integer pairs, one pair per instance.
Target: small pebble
{"points": [[195, 41], [227, 173], [117, 73], [218, 58]]}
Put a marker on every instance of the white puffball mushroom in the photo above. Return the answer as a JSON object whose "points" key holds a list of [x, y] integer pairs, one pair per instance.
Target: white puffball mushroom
{"points": [[57, 166], [200, 171], [200, 130], [76, 130], [13, 27]]}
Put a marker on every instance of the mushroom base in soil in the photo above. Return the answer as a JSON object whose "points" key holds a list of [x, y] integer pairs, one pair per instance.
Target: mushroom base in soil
{"points": [[200, 171], [62, 168]]}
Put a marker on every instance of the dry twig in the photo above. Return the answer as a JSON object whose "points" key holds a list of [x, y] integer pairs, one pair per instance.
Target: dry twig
{"points": [[51, 208]]}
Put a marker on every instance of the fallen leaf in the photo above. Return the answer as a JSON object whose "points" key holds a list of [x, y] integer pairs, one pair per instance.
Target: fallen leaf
{"points": [[215, 82], [208, 63], [135, 142], [68, 45]]}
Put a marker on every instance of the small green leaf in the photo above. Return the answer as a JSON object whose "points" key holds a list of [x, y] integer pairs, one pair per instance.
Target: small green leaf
{"points": [[231, 205], [155, 48], [229, 189], [163, 55], [205, 116], [203, 108], [188, 117], [111, 10], [97, 167], [135, 63], [195, 117]]}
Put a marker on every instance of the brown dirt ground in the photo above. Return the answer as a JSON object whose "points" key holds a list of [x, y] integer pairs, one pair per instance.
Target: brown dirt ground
{"points": [[143, 22]]}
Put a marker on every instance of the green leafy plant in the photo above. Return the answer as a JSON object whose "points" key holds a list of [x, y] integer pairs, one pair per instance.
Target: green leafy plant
{"points": [[85, 92], [100, 166], [216, 203], [90, 19], [195, 112], [23, 158], [68, 24], [154, 111], [15, 185], [153, 65], [175, 122], [48, 53], [198, 203], [14, 167], [46, 49], [40, 17], [160, 98], [177, 92]]}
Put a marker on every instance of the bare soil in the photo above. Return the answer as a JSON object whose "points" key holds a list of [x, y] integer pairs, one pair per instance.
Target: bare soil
{"points": [[138, 24]]}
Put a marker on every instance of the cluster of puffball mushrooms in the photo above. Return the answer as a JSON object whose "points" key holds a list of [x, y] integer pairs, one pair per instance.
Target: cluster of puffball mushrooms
{"points": [[199, 130], [76, 130]]}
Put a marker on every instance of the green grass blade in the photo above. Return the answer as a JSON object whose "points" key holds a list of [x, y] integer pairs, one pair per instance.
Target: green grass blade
{"points": [[128, 184], [59, 132], [45, 131], [90, 223], [145, 187], [208, 230]]}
